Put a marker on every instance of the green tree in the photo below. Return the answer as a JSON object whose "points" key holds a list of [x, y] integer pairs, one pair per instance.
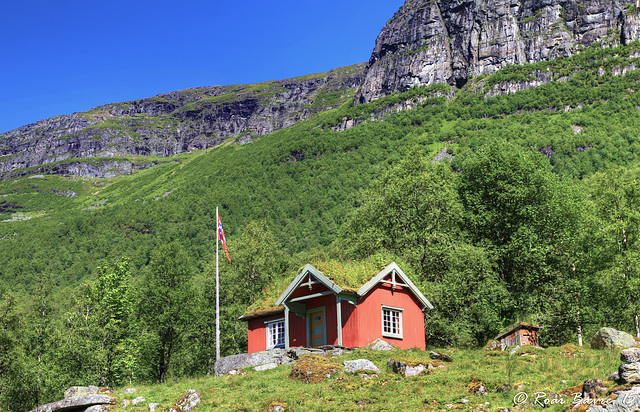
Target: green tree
{"points": [[414, 212], [164, 306], [615, 248], [527, 217]]}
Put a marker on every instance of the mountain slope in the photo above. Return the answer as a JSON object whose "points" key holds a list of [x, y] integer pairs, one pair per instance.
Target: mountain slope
{"points": [[176, 122]]}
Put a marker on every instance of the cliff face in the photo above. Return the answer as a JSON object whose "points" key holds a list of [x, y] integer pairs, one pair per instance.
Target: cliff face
{"points": [[448, 41], [176, 122]]}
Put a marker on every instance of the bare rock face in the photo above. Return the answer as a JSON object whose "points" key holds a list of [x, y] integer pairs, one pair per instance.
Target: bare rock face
{"points": [[448, 41], [174, 122]]}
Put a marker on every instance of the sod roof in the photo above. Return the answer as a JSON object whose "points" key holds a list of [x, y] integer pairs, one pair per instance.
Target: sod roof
{"points": [[348, 275]]}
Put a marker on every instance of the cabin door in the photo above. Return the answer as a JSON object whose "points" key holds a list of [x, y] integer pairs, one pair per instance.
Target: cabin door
{"points": [[317, 327]]}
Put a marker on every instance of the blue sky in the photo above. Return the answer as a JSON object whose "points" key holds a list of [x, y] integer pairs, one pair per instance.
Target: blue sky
{"points": [[64, 56]]}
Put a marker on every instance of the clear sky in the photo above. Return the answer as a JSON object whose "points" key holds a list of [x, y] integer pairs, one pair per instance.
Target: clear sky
{"points": [[63, 56]]}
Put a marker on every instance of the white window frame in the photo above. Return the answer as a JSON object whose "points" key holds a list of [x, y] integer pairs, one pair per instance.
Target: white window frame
{"points": [[392, 310], [270, 325]]}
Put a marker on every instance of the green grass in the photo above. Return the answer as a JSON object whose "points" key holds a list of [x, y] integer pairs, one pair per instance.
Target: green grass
{"points": [[539, 370]]}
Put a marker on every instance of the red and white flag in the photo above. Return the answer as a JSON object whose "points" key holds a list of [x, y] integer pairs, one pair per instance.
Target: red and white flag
{"points": [[221, 237]]}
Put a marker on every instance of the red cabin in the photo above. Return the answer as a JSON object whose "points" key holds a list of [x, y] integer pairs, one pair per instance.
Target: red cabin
{"points": [[317, 309]]}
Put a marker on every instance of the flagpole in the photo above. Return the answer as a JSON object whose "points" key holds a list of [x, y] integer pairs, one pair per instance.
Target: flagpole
{"points": [[217, 289]]}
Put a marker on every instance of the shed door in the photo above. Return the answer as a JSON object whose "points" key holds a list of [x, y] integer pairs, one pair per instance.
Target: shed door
{"points": [[317, 328]]}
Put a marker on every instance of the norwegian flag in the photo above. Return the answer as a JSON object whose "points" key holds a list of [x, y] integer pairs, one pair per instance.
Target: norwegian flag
{"points": [[221, 237]]}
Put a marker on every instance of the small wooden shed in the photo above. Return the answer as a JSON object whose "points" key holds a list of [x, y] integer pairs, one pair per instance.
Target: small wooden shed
{"points": [[519, 334], [341, 306]]}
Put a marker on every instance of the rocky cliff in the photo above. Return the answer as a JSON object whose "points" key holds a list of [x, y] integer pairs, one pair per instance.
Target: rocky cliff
{"points": [[175, 122], [449, 41]]}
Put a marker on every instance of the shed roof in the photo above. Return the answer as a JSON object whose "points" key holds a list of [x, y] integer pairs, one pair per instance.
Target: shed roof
{"points": [[515, 327]]}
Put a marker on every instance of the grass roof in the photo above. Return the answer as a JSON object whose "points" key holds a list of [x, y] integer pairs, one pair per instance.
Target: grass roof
{"points": [[349, 275]]}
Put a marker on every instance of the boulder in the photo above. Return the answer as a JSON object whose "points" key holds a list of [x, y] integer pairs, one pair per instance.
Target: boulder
{"points": [[98, 408], [379, 344], [625, 401], [138, 400], [129, 390], [81, 391], [189, 400], [265, 367], [477, 388], [313, 369], [414, 370], [630, 355], [396, 366], [76, 402], [609, 338], [243, 360], [353, 366], [153, 406], [593, 388], [630, 372], [440, 356]]}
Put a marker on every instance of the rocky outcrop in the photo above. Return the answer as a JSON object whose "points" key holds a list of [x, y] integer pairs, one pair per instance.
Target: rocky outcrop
{"points": [[449, 41], [189, 400], [176, 122], [84, 403], [266, 359]]}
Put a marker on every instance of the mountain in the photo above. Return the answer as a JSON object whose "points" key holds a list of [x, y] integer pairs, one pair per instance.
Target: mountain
{"points": [[450, 41], [426, 42], [172, 123]]}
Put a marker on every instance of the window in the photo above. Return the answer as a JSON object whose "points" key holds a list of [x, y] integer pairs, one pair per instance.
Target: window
{"points": [[275, 333], [391, 322]]}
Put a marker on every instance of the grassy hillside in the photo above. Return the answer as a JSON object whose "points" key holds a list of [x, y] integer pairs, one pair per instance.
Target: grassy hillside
{"points": [[532, 371]]}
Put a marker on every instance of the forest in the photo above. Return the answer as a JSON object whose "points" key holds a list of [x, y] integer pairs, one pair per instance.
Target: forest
{"points": [[533, 216]]}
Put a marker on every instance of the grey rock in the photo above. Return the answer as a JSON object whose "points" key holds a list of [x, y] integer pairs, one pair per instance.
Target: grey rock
{"points": [[480, 390], [609, 338], [265, 367], [129, 390], [138, 400], [360, 364], [81, 391], [593, 388], [630, 372], [463, 401], [440, 356], [153, 406], [380, 344], [414, 370], [243, 360], [626, 401], [615, 376], [189, 400], [125, 403], [630, 355], [97, 408], [76, 402], [396, 366]]}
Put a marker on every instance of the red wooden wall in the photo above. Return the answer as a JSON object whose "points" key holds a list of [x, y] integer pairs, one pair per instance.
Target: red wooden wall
{"points": [[360, 325]]}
